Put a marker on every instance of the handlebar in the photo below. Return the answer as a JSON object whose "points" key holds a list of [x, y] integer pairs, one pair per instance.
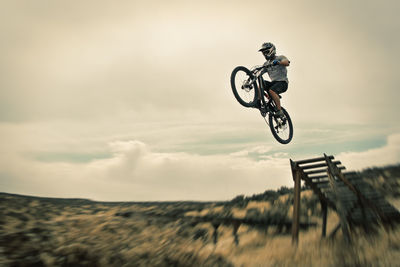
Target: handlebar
{"points": [[256, 69]]}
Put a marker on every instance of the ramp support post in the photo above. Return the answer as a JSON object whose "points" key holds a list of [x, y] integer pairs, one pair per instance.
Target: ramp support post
{"points": [[324, 217], [296, 205]]}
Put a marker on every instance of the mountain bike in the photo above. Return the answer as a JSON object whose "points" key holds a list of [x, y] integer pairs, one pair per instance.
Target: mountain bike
{"points": [[249, 89]]}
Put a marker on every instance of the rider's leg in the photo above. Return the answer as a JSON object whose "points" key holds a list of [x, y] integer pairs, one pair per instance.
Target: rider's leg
{"points": [[276, 99], [277, 88], [266, 86]]}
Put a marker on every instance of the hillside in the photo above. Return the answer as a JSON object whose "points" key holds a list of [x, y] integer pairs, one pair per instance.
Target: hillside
{"points": [[78, 232]]}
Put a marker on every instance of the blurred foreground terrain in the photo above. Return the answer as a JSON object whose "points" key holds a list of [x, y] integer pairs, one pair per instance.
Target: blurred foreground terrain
{"points": [[38, 231]]}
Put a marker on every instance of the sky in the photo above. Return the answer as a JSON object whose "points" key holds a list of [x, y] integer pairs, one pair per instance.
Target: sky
{"points": [[131, 100]]}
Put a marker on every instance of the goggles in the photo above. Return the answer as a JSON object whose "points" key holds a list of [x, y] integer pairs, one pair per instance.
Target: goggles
{"points": [[266, 51]]}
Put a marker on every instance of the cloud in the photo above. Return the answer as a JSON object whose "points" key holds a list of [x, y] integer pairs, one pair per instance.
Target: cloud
{"points": [[386, 155], [179, 176], [256, 150], [134, 172]]}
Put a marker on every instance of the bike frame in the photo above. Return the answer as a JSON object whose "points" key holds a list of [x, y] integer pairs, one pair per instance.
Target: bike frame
{"points": [[263, 92]]}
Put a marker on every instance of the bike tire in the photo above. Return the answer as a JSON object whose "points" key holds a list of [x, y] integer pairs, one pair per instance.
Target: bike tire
{"points": [[246, 97], [276, 128]]}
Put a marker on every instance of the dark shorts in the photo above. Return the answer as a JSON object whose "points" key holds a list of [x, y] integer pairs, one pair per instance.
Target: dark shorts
{"points": [[278, 87]]}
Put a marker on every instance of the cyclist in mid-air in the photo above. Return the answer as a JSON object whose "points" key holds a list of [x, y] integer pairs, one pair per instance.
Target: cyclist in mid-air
{"points": [[275, 66]]}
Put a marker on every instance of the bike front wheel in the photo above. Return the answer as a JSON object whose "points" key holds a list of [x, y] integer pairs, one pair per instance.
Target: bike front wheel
{"points": [[245, 93], [281, 128]]}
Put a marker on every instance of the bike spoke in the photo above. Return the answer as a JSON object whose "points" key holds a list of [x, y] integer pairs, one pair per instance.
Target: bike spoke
{"points": [[281, 128], [247, 94], [244, 93]]}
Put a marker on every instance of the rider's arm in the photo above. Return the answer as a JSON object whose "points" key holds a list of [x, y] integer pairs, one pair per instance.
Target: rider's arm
{"points": [[284, 62], [264, 70]]}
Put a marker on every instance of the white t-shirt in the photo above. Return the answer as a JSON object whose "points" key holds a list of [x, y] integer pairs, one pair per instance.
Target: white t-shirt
{"points": [[278, 72]]}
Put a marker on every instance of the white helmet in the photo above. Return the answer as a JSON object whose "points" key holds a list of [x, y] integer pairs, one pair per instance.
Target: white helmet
{"points": [[268, 50]]}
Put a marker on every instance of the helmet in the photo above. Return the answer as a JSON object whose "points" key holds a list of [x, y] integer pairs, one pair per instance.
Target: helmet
{"points": [[268, 49]]}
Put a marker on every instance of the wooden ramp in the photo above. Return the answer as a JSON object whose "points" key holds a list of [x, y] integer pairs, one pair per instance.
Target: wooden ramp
{"points": [[355, 201]]}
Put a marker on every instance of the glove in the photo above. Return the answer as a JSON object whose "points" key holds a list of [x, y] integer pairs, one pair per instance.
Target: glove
{"points": [[275, 62]]}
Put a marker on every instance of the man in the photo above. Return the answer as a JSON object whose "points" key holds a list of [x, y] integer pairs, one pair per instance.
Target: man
{"points": [[275, 66]]}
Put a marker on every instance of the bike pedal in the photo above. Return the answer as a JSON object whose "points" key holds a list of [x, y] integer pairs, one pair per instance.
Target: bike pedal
{"points": [[263, 111]]}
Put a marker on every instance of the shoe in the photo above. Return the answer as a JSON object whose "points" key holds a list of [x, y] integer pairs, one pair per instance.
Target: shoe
{"points": [[279, 114]]}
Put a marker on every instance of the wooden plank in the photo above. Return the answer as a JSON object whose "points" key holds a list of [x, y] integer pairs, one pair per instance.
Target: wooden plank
{"points": [[315, 171], [323, 185], [350, 173], [348, 196], [330, 195], [389, 208], [319, 182], [312, 160], [373, 195], [314, 166], [319, 177], [358, 184], [319, 165], [365, 186], [349, 203], [360, 215], [355, 179], [348, 200], [361, 220]]}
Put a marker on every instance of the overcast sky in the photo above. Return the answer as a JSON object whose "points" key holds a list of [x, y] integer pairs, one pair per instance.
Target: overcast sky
{"points": [[130, 100]]}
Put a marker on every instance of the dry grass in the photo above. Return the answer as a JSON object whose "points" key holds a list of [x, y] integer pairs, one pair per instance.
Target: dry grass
{"points": [[261, 205], [256, 249], [44, 233]]}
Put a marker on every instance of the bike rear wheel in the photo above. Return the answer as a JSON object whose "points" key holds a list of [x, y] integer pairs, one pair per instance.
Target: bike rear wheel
{"points": [[281, 128], [245, 94]]}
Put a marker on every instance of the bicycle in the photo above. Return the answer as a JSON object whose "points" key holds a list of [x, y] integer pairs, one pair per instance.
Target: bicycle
{"points": [[249, 89]]}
